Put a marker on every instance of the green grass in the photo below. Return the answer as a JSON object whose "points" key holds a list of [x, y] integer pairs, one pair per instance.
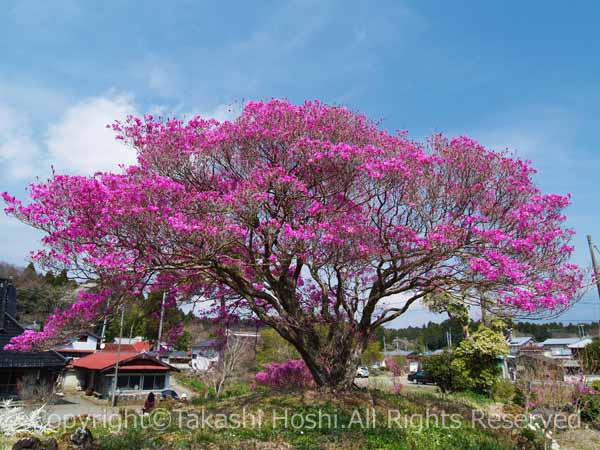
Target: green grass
{"points": [[347, 435]]}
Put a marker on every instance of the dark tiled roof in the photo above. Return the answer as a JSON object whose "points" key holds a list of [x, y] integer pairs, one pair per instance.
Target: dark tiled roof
{"points": [[10, 359]]}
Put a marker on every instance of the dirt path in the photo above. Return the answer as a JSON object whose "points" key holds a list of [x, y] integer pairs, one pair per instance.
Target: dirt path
{"points": [[181, 389]]}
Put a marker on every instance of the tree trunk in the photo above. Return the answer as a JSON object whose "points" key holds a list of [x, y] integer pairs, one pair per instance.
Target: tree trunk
{"points": [[331, 351], [333, 367]]}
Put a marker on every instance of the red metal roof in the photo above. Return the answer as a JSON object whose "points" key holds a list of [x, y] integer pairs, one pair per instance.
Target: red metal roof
{"points": [[130, 367], [125, 348], [104, 360], [142, 346], [135, 347]]}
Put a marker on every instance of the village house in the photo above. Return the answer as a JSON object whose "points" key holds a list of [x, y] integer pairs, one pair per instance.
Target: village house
{"points": [[21, 367], [74, 379], [79, 346], [138, 373], [205, 354], [564, 348], [177, 358], [515, 344]]}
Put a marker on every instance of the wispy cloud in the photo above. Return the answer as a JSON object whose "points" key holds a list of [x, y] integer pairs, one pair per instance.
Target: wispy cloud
{"points": [[80, 142], [19, 154]]}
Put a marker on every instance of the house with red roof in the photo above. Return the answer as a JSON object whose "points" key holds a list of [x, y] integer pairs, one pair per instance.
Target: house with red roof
{"points": [[138, 372]]}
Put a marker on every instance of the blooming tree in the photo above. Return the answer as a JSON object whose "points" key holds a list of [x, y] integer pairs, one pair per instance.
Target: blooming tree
{"points": [[309, 217]]}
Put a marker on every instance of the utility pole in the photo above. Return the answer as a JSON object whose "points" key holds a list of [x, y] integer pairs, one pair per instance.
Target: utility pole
{"points": [[104, 323], [162, 316], [116, 380], [595, 268]]}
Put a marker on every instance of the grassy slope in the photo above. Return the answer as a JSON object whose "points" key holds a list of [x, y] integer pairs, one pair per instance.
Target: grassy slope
{"points": [[377, 436]]}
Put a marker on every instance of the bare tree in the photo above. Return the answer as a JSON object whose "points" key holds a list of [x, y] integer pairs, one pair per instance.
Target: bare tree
{"points": [[34, 390], [230, 359]]}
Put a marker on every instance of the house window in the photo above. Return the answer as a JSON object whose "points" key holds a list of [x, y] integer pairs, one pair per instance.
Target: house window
{"points": [[123, 382], [148, 382], [129, 382], [140, 382], [159, 382], [154, 382], [134, 382]]}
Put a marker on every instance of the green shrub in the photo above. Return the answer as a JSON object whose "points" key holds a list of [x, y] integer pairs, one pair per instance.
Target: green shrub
{"points": [[473, 366], [503, 391], [441, 371], [477, 360], [519, 397], [197, 385], [590, 404]]}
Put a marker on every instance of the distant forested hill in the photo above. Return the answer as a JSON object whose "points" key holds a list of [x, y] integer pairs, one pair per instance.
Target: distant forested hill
{"points": [[38, 294], [432, 336]]}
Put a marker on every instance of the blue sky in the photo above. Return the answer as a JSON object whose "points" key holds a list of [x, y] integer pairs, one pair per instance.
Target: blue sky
{"points": [[518, 75]]}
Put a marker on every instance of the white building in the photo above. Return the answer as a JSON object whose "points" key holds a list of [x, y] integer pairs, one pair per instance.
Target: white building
{"points": [[563, 348], [79, 346], [205, 354]]}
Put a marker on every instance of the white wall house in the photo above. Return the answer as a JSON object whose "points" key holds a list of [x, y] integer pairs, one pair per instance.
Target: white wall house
{"points": [[78, 346], [205, 354], [563, 348]]}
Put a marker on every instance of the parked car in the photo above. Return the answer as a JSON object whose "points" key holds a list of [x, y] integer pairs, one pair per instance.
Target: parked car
{"points": [[362, 372], [169, 394], [420, 377]]}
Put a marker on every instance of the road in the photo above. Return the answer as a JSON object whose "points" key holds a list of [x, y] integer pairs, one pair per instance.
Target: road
{"points": [[386, 382]]}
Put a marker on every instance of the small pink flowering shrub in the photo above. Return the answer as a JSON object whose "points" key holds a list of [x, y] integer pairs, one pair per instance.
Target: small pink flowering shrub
{"points": [[291, 374], [393, 367]]}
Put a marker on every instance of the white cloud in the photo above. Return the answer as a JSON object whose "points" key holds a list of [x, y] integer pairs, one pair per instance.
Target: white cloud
{"points": [[81, 143], [159, 74], [18, 240], [8, 120], [533, 133], [224, 112], [78, 142], [19, 154]]}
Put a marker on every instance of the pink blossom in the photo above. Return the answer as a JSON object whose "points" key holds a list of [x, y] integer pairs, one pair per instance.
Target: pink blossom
{"points": [[302, 215]]}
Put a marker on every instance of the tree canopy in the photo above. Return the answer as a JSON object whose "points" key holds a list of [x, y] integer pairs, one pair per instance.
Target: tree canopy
{"points": [[305, 216]]}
